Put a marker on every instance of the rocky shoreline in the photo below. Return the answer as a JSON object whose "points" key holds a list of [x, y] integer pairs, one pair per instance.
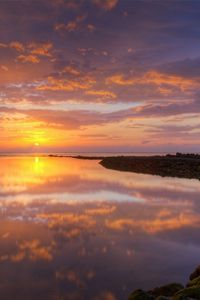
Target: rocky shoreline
{"points": [[179, 165], [173, 291]]}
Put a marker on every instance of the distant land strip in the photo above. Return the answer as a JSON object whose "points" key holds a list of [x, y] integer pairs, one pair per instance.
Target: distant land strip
{"points": [[178, 165]]}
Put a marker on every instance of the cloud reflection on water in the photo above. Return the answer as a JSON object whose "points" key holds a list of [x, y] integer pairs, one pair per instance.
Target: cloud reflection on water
{"points": [[78, 231]]}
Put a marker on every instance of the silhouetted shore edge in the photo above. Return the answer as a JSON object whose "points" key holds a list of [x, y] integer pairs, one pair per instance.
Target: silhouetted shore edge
{"points": [[178, 165]]}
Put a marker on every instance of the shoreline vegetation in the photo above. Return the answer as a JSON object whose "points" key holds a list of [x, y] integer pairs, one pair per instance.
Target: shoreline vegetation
{"points": [[172, 291], [179, 165]]}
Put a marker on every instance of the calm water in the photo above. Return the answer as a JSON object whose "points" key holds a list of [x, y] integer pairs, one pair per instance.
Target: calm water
{"points": [[70, 229]]}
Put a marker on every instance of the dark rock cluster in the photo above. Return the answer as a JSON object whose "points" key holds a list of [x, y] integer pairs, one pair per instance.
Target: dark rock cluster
{"points": [[172, 291]]}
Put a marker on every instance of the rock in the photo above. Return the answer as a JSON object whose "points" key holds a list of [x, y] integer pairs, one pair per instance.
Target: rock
{"points": [[195, 282], [196, 273], [172, 291], [167, 290], [163, 298], [187, 293], [140, 295]]}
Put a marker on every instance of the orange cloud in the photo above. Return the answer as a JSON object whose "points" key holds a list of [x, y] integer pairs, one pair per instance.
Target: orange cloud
{"points": [[106, 296], [91, 27], [154, 77], [14, 45], [3, 45], [101, 211], [28, 59], [101, 93], [173, 80], [56, 219], [31, 250], [18, 257], [130, 50], [17, 46], [71, 70], [120, 80], [41, 49], [105, 4], [70, 26], [30, 51], [4, 68], [164, 221], [73, 233], [67, 85], [76, 25], [73, 277]]}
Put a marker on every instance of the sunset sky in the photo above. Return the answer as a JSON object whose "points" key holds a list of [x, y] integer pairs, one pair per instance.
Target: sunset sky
{"points": [[99, 75]]}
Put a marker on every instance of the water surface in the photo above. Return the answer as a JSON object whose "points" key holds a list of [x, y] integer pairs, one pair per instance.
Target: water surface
{"points": [[70, 229]]}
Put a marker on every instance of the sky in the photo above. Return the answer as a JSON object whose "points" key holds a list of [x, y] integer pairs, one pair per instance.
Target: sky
{"points": [[99, 75]]}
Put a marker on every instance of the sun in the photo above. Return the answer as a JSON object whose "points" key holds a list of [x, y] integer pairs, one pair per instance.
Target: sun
{"points": [[36, 144]]}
